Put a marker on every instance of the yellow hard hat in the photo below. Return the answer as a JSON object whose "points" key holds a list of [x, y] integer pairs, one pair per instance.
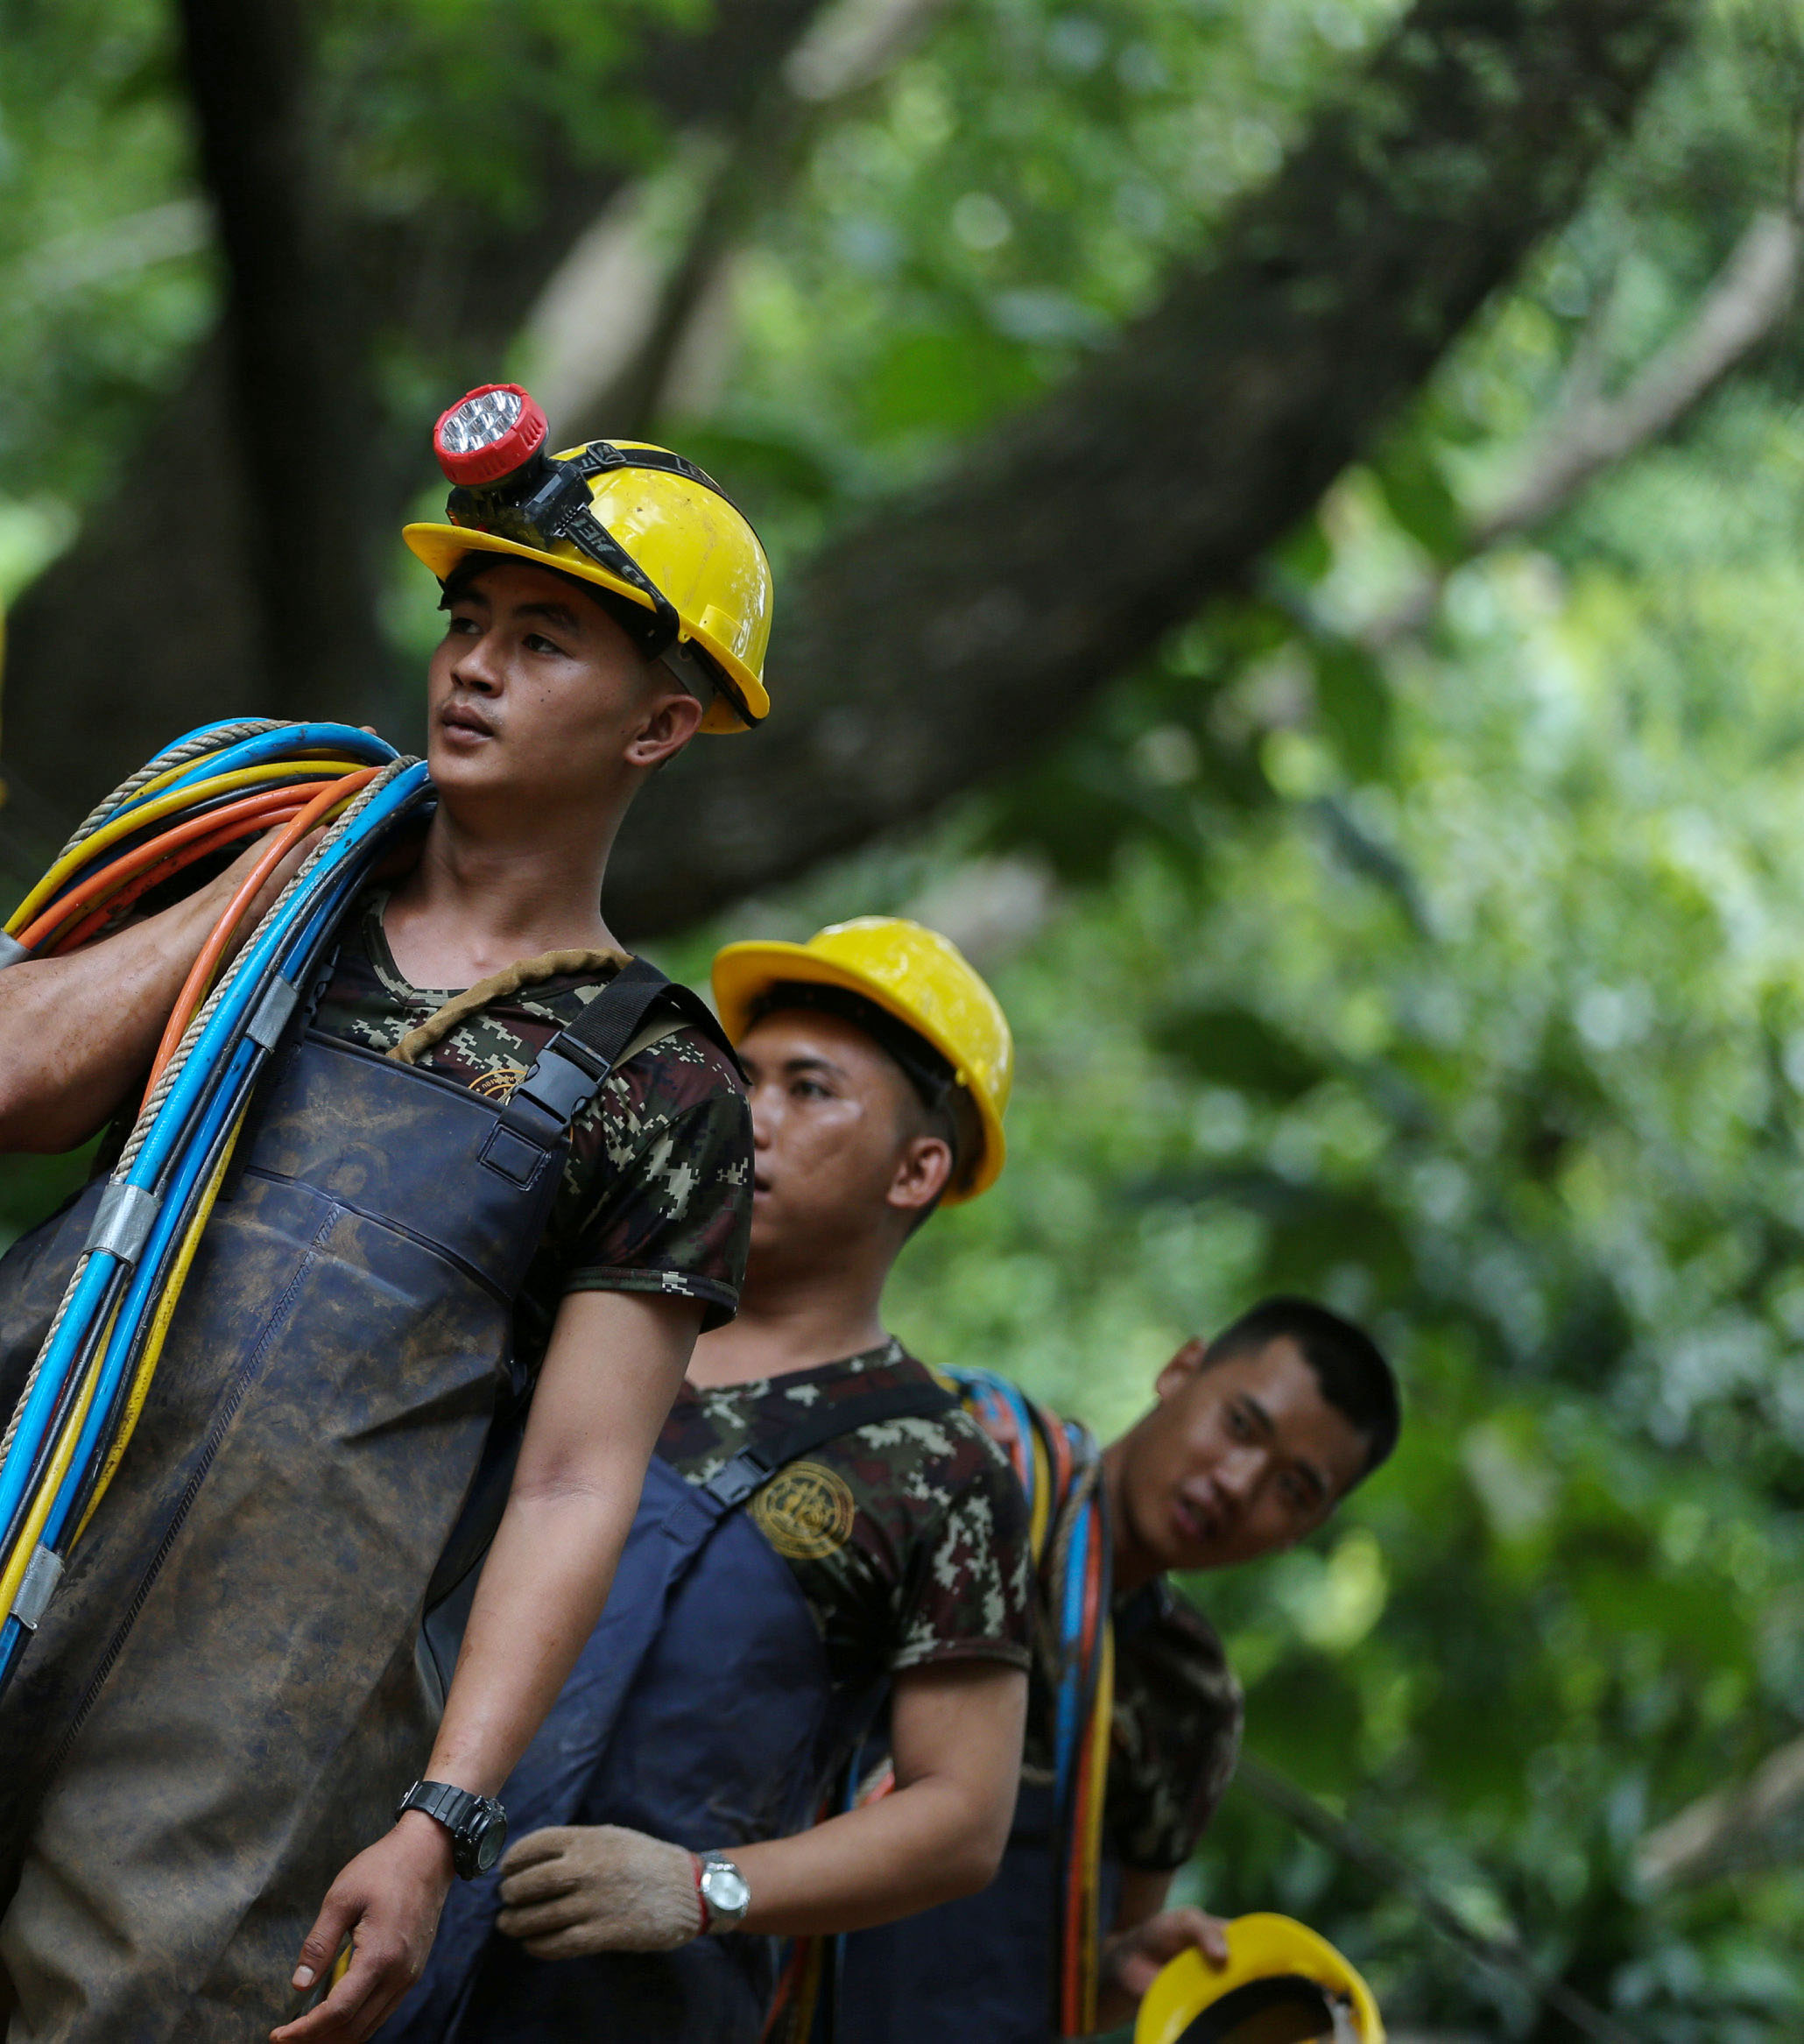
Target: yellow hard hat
{"points": [[1282, 1981], [654, 529], [918, 977]]}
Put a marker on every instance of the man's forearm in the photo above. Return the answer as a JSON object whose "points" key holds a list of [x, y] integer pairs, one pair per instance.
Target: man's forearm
{"points": [[955, 1729], [543, 1586], [77, 1032], [919, 1846], [613, 1367]]}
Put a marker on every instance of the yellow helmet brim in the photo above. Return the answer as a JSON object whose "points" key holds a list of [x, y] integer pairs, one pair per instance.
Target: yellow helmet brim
{"points": [[743, 973], [1264, 1946], [443, 546]]}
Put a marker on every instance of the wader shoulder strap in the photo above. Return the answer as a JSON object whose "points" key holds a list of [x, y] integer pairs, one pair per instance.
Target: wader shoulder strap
{"points": [[600, 1032], [759, 1460], [575, 1065]]}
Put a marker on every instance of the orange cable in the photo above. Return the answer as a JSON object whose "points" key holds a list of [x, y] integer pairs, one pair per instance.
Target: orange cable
{"points": [[110, 876], [194, 989], [114, 906]]}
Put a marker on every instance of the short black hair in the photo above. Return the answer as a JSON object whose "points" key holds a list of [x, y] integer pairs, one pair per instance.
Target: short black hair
{"points": [[1349, 1365]]}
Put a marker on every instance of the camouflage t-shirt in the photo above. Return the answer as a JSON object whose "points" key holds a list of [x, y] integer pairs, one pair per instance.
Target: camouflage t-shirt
{"points": [[908, 1538], [657, 1193], [1178, 1711]]}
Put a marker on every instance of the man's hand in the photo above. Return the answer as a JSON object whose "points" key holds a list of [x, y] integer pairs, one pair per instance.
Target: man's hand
{"points": [[1132, 1960], [578, 1889], [387, 1900]]}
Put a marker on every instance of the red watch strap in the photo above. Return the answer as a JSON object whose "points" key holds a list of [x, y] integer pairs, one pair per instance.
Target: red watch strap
{"points": [[700, 1899]]}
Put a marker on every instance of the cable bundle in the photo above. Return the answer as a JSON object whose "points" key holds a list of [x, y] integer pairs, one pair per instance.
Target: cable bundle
{"points": [[1059, 1471], [221, 785]]}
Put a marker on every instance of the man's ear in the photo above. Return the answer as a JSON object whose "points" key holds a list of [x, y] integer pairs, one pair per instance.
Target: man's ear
{"points": [[1182, 1370], [920, 1175], [670, 721]]}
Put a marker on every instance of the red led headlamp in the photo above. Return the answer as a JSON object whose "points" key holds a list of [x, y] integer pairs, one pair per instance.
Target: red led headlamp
{"points": [[488, 435]]}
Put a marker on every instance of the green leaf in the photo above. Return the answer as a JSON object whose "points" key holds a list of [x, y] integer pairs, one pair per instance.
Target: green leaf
{"points": [[1353, 700], [1418, 497], [1234, 1046], [928, 380]]}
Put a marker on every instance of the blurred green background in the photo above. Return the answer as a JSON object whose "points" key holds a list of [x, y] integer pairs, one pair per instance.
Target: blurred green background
{"points": [[1423, 928]]}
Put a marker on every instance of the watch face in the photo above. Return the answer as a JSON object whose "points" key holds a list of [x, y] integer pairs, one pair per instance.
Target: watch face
{"points": [[725, 1889], [491, 1837]]}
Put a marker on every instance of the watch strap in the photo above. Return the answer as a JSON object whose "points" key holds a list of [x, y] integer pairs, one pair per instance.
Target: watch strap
{"points": [[452, 1807], [466, 1816]]}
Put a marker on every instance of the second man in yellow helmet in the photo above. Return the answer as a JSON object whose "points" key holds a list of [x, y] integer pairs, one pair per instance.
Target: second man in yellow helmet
{"points": [[824, 1535]]}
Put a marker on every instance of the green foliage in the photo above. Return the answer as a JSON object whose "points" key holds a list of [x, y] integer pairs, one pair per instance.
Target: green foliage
{"points": [[104, 277], [1458, 982], [444, 109]]}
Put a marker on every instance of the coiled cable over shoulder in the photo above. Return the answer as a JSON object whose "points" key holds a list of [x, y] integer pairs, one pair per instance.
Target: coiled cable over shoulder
{"points": [[213, 791]]}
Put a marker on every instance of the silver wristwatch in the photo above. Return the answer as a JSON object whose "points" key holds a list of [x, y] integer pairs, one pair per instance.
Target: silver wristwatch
{"points": [[725, 1897]]}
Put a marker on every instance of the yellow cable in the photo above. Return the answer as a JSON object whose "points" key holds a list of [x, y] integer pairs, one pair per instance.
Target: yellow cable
{"points": [[1102, 1734], [109, 834], [64, 1452], [159, 1329], [1041, 1521], [26, 1545], [170, 773], [220, 971]]}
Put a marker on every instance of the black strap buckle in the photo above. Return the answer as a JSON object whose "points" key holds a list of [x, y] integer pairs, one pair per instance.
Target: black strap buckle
{"points": [[562, 1080], [735, 1482]]}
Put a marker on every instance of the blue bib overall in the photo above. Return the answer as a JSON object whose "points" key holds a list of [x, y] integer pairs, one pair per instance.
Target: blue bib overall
{"points": [[701, 1711], [980, 1969], [222, 1701]]}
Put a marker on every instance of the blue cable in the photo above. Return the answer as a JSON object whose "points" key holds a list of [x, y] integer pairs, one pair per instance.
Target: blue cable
{"points": [[203, 1141], [287, 741], [199, 1145], [197, 1072], [1071, 1629], [200, 1081]]}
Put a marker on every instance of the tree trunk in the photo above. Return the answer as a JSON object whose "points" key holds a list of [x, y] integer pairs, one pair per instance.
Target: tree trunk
{"points": [[955, 634], [234, 568]]}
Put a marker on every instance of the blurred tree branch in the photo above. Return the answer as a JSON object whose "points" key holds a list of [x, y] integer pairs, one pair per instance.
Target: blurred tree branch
{"points": [[1756, 1823], [288, 360], [1500, 1955], [848, 46], [1592, 432], [958, 631]]}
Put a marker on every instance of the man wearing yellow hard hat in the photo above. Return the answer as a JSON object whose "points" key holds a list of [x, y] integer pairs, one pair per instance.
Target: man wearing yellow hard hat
{"points": [[496, 1161], [824, 1534], [1252, 1440]]}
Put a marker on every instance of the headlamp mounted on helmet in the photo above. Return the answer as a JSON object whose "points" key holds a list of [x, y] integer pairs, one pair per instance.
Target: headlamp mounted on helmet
{"points": [[490, 445]]}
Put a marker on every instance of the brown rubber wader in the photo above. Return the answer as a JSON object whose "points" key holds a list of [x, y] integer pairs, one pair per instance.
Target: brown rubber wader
{"points": [[223, 1703]]}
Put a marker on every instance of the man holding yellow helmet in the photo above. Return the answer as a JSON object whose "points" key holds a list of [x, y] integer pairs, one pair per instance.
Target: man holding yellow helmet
{"points": [[824, 1532], [496, 1160]]}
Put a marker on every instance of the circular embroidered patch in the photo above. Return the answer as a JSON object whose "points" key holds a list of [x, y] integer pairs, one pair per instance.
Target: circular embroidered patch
{"points": [[804, 1511], [499, 1084]]}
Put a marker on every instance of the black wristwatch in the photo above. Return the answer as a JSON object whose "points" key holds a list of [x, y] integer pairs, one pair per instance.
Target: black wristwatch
{"points": [[477, 1823]]}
